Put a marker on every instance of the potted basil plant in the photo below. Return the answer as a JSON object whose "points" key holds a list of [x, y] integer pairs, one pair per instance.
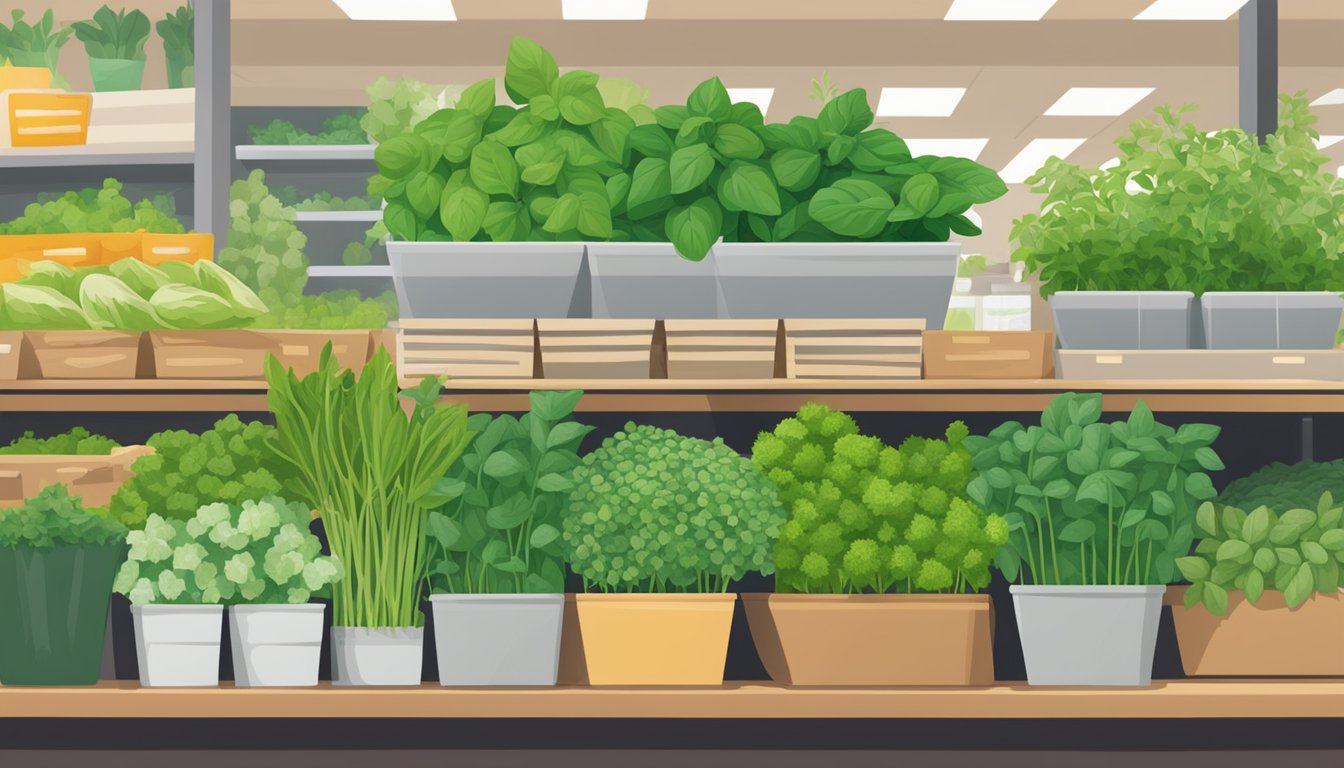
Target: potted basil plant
{"points": [[115, 42], [1097, 516], [496, 567]]}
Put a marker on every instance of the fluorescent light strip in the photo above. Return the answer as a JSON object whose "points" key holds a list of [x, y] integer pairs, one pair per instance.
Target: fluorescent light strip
{"points": [[968, 148], [919, 102], [1097, 102], [1327, 141], [998, 10], [1331, 99], [398, 10], [1034, 155], [759, 96], [1190, 10], [1109, 164], [604, 10]]}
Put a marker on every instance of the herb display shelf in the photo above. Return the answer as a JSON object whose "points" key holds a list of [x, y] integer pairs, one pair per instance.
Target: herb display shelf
{"points": [[304, 152], [92, 156], [1170, 699], [693, 396], [365, 217]]}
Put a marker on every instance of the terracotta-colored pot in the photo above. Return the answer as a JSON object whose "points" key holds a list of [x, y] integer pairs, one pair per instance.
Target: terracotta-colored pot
{"points": [[873, 639], [649, 639], [1267, 638]]}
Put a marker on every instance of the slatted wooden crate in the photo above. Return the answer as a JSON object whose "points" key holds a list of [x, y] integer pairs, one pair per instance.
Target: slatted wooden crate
{"points": [[1203, 364], [476, 348], [84, 355], [241, 354], [989, 355], [721, 349], [11, 350], [853, 349], [595, 349]]}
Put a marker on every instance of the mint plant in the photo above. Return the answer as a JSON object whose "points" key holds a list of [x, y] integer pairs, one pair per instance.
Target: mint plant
{"points": [[1286, 486]]}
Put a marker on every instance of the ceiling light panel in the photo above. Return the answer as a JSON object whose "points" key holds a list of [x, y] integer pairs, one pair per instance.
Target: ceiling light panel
{"points": [[1327, 141], [1331, 99], [398, 10], [1097, 102], [968, 148], [919, 102], [998, 10], [1190, 10], [604, 10], [1034, 155], [759, 96]]}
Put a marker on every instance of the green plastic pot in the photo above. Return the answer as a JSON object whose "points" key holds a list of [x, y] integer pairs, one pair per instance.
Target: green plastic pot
{"points": [[116, 74], [181, 75], [53, 612]]}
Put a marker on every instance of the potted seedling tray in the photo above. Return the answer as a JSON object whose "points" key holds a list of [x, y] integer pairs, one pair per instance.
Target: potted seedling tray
{"points": [[241, 354], [853, 349], [466, 349], [600, 349], [721, 349], [989, 355]]}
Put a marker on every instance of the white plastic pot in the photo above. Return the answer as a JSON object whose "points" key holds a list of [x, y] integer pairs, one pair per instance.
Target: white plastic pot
{"points": [[178, 645], [387, 656], [276, 645], [497, 639], [1096, 635]]}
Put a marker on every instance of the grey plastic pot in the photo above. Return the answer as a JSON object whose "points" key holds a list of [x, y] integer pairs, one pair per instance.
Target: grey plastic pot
{"points": [[469, 280], [649, 280], [388, 656], [1271, 320], [1125, 319], [498, 639], [837, 280], [1097, 635], [178, 645], [276, 645]]}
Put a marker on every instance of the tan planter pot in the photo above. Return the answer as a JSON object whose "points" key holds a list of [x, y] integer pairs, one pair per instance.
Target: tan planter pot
{"points": [[873, 639], [652, 639], [1267, 638]]}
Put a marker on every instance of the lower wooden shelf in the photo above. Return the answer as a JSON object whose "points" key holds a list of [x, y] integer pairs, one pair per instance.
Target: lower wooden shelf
{"points": [[1177, 699]]}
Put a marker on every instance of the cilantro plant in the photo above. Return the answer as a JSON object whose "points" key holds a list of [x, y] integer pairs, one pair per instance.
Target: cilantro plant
{"points": [[77, 442], [32, 45], [102, 209], [1286, 486], [653, 511], [1213, 212], [1093, 503], [500, 532], [256, 552], [1297, 552], [54, 518], [337, 129], [868, 517]]}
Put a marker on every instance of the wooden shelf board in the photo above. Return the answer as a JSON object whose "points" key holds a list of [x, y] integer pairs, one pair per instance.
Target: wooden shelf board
{"points": [[1165, 700]]}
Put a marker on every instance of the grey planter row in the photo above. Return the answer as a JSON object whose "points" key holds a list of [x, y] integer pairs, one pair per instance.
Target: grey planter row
{"points": [[1177, 320], [649, 280]]}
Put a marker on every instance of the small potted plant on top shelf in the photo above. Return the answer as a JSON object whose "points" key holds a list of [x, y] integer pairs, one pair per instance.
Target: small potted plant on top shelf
{"points": [[1260, 582], [115, 42], [30, 46], [877, 566], [660, 525], [496, 566], [178, 32], [1097, 515]]}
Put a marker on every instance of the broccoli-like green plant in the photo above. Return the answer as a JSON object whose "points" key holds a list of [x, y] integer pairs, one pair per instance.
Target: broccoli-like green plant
{"points": [[338, 129], [256, 552], [653, 511], [1282, 487], [1298, 553], [54, 518], [865, 516], [265, 247], [102, 209], [77, 442]]}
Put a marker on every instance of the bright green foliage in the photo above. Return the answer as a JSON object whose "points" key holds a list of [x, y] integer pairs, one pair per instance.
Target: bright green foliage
{"points": [[32, 45], [1297, 552], [337, 129], [868, 517], [371, 470], [1094, 503], [653, 511], [114, 34], [1286, 486], [54, 518], [256, 552], [265, 248], [325, 201], [396, 106], [229, 463], [178, 32], [334, 310], [499, 530], [1215, 212], [76, 442], [95, 210]]}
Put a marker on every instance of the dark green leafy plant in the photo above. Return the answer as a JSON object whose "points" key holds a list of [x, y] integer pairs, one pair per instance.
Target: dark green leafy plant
{"points": [[867, 517], [95, 209], [1286, 486], [77, 442], [32, 45], [653, 511], [500, 530], [337, 129], [1094, 503], [54, 518], [114, 34], [178, 32], [1214, 212], [1298, 553]]}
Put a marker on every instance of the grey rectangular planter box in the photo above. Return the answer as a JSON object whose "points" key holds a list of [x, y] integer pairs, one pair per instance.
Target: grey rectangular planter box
{"points": [[1076, 635], [468, 280], [498, 639], [649, 280], [1125, 319], [1269, 320], [837, 280]]}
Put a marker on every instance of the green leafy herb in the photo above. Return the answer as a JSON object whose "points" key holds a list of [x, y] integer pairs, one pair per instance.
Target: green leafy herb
{"points": [[178, 32], [337, 129], [114, 34], [32, 45], [95, 210], [77, 442], [1286, 486], [54, 518]]}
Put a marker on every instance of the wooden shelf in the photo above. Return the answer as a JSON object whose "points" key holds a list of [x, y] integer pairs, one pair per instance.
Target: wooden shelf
{"points": [[1173, 699]]}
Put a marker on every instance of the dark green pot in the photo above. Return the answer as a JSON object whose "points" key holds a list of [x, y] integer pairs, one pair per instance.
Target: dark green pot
{"points": [[53, 613]]}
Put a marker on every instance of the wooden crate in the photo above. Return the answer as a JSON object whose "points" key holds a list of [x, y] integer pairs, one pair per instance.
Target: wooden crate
{"points": [[11, 354], [721, 349], [466, 349], [241, 354], [595, 349], [853, 349], [989, 355], [82, 355], [93, 478], [1203, 364]]}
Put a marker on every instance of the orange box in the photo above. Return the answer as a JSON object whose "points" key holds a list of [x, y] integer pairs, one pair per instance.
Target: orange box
{"points": [[115, 246], [156, 249], [47, 118], [19, 252], [24, 78]]}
